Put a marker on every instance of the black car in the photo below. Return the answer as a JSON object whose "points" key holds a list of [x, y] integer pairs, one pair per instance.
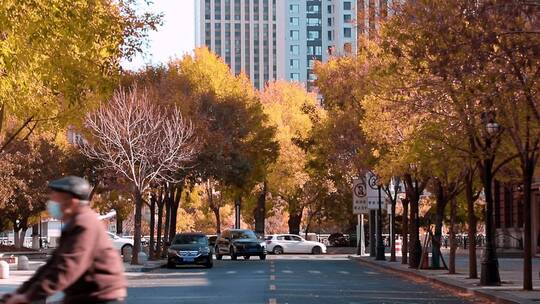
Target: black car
{"points": [[190, 249], [239, 242]]}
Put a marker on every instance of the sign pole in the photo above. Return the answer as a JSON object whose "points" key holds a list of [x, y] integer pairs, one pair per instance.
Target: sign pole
{"points": [[362, 236]]}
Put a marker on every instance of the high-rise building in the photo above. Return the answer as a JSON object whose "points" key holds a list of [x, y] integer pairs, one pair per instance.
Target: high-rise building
{"points": [[276, 39], [371, 13]]}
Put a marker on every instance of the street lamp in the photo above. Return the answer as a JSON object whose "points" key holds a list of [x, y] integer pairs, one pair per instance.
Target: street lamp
{"points": [[490, 265]]}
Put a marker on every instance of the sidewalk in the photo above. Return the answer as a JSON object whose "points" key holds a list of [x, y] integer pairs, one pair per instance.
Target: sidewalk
{"points": [[511, 272]]}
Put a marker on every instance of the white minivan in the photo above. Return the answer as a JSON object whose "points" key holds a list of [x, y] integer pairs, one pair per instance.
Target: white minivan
{"points": [[291, 243]]}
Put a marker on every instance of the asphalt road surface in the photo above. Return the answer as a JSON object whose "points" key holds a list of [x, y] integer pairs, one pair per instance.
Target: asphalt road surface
{"points": [[328, 279]]}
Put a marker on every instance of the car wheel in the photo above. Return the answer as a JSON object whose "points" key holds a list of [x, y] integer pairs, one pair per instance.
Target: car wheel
{"points": [[123, 250], [262, 257], [278, 250], [219, 257], [246, 257], [316, 250], [233, 254], [171, 265]]}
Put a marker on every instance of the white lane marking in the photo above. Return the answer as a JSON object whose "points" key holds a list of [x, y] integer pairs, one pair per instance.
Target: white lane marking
{"points": [[314, 271], [231, 272], [344, 272], [370, 272], [286, 271], [259, 271]]}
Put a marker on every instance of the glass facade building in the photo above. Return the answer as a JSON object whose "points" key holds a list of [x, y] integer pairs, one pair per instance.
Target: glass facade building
{"points": [[277, 39]]}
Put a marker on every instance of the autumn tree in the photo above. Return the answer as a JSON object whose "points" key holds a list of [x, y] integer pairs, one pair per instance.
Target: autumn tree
{"points": [[59, 57], [289, 107], [140, 141], [27, 167], [237, 143]]}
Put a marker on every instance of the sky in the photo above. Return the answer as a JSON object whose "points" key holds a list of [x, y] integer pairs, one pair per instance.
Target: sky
{"points": [[173, 39]]}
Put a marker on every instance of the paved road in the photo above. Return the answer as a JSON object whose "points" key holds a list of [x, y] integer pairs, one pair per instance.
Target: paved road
{"points": [[280, 279]]}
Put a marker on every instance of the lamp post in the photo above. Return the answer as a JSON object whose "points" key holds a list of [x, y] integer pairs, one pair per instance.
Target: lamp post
{"points": [[380, 243], [490, 265]]}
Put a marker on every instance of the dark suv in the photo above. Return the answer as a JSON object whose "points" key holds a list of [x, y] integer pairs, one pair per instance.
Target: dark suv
{"points": [[190, 248], [239, 242]]}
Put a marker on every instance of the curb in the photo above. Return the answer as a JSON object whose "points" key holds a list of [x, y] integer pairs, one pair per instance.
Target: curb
{"points": [[494, 297], [146, 268]]}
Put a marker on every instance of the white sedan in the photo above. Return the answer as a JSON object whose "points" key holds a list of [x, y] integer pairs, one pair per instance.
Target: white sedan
{"points": [[121, 243], [290, 243]]}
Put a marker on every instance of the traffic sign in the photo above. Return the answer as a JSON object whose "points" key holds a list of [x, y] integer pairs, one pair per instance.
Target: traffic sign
{"points": [[360, 197], [373, 192]]}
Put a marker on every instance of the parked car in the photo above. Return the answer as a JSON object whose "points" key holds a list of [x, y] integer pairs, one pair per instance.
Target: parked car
{"points": [[290, 243], [190, 248], [212, 240], [338, 240], [121, 243], [240, 242]]}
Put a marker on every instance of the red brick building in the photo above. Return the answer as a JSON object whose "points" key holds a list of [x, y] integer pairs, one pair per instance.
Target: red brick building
{"points": [[508, 216]]}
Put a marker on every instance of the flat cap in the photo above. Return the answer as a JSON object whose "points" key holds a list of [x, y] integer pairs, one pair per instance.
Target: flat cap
{"points": [[74, 185]]}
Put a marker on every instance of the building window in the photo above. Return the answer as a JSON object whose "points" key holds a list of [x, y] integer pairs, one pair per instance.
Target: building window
{"points": [[347, 18], [217, 10], [295, 76], [294, 50], [312, 77], [294, 63], [256, 10], [246, 10], [330, 22], [313, 35], [347, 48], [227, 9], [294, 21], [347, 33], [237, 13], [207, 9], [294, 8], [330, 35], [294, 35], [347, 5], [329, 9], [313, 8], [313, 21], [311, 63], [314, 50], [266, 11]]}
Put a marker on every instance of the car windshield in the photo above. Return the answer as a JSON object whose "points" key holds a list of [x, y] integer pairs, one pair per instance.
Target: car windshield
{"points": [[247, 234], [190, 239]]}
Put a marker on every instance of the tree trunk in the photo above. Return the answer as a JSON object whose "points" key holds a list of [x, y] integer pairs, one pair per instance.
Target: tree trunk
{"points": [[393, 229], [159, 228], [295, 219], [528, 172], [137, 231], [176, 195], [218, 219], [439, 218], [472, 220], [415, 248], [151, 250], [490, 275], [260, 211], [453, 244], [405, 232], [22, 237], [119, 227]]}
